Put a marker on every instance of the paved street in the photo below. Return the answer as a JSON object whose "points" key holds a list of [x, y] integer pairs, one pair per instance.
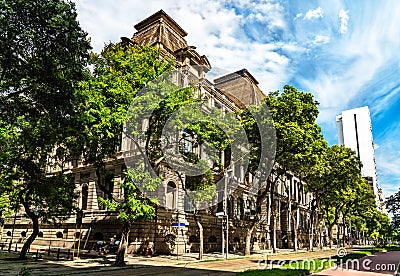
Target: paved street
{"points": [[91, 264], [159, 265]]}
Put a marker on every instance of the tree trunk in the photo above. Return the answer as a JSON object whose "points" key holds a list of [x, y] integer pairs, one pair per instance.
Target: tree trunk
{"points": [[247, 250], [273, 220], [201, 246], [320, 242], [311, 236], [201, 238], [294, 227], [269, 215], [344, 233], [32, 237], [313, 223], [319, 238], [330, 237], [123, 245], [273, 231]]}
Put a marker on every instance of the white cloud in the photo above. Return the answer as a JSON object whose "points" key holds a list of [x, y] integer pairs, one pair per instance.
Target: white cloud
{"points": [[344, 20], [213, 27], [263, 11], [299, 15], [216, 28], [313, 56], [348, 63], [321, 39], [388, 162], [313, 14]]}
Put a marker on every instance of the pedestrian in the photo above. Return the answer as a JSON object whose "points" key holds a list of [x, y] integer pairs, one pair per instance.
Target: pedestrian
{"points": [[112, 240], [114, 243], [98, 246]]}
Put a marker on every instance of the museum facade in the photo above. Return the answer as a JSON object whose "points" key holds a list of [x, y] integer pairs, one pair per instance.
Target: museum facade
{"points": [[174, 228]]}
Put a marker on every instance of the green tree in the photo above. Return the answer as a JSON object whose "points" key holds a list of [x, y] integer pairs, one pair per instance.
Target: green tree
{"points": [[393, 207], [315, 185], [43, 53], [120, 71], [298, 144], [116, 103], [378, 226], [338, 180], [216, 131], [6, 172], [360, 200]]}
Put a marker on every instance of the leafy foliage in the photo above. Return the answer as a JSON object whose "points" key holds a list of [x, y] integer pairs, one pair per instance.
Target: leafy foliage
{"points": [[393, 207], [340, 174], [119, 72], [298, 138], [43, 52]]}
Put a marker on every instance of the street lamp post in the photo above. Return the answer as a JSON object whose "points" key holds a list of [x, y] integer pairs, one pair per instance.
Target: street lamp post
{"points": [[225, 219], [223, 233]]}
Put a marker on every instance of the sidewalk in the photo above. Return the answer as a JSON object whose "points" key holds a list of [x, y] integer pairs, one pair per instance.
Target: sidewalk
{"points": [[93, 264]]}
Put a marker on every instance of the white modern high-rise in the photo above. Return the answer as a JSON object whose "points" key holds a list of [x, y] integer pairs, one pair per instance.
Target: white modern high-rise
{"points": [[355, 132]]}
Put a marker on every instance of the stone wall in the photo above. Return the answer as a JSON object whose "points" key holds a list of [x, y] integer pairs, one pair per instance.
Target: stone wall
{"points": [[159, 234]]}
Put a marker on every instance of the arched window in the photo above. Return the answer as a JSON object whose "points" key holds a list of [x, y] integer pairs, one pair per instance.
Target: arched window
{"points": [[171, 196], [85, 195]]}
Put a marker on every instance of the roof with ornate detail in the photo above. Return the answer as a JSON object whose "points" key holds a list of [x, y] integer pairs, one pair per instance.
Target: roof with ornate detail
{"points": [[161, 31]]}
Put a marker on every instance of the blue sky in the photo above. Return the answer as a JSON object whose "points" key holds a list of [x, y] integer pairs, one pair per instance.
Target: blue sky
{"points": [[347, 53]]}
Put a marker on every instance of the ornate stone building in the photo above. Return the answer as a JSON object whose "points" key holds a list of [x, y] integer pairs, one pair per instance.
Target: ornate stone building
{"points": [[228, 93]]}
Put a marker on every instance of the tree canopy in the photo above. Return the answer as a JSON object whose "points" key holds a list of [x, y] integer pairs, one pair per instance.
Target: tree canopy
{"points": [[119, 72], [54, 109], [393, 207], [43, 54], [298, 138]]}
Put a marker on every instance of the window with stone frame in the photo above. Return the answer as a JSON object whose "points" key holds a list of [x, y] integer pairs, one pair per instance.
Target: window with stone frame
{"points": [[239, 208], [230, 207], [108, 183], [170, 196], [186, 143], [84, 196]]}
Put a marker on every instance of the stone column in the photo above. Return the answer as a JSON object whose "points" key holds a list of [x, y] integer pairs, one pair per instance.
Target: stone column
{"points": [[78, 189], [92, 194]]}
